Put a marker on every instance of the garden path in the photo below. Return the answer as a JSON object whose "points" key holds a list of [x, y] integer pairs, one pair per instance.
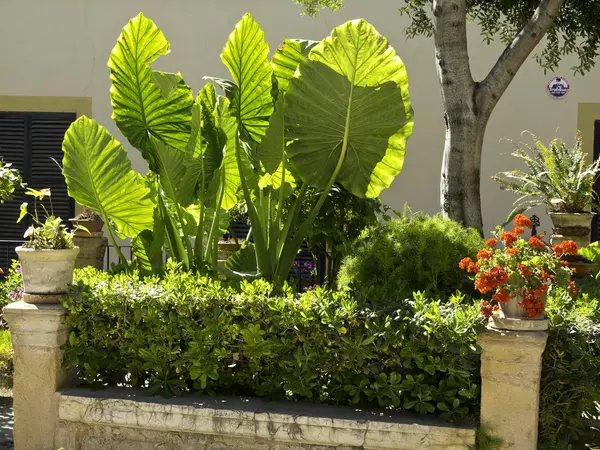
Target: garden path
{"points": [[6, 423]]}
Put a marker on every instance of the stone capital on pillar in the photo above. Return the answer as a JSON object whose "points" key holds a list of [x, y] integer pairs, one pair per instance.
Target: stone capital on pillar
{"points": [[511, 369], [37, 332]]}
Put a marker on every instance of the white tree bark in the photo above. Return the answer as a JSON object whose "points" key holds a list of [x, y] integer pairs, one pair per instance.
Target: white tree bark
{"points": [[469, 104]]}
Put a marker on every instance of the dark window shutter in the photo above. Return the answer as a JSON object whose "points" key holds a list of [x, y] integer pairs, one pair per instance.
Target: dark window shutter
{"points": [[47, 131], [29, 141], [595, 220]]}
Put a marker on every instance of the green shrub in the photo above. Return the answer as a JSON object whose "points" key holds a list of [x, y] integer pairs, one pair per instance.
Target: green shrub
{"points": [[11, 289], [190, 333], [6, 353], [411, 253], [570, 392]]}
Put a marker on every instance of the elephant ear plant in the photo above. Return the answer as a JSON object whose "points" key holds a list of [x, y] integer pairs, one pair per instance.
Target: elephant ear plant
{"points": [[336, 111]]}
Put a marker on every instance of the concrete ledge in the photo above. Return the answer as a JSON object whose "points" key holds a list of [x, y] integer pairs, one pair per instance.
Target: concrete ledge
{"points": [[118, 417]]}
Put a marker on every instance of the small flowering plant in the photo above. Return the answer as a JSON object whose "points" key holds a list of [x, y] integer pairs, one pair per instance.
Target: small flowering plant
{"points": [[523, 269]]}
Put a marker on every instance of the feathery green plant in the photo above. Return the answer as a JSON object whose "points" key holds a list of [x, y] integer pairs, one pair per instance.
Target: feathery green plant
{"points": [[559, 177]]}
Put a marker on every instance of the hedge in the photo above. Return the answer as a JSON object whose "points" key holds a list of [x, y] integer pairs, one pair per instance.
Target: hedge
{"points": [[188, 333]]}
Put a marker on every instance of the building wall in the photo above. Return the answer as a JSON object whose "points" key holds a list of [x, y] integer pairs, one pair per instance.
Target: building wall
{"points": [[60, 48]]}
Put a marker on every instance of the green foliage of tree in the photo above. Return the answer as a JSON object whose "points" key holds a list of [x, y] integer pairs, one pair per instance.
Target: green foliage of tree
{"points": [[574, 32]]}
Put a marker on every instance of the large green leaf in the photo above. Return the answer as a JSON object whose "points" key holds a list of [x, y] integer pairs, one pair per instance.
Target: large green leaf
{"points": [[271, 150], [348, 109], [246, 55], [172, 166], [242, 264], [287, 58], [99, 176], [227, 176], [147, 103]]}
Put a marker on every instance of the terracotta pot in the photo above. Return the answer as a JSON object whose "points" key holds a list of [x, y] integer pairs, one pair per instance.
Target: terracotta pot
{"points": [[93, 226], [575, 227], [582, 269], [512, 310], [47, 271]]}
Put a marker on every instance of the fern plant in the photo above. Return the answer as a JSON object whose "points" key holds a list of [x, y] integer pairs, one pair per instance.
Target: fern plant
{"points": [[559, 177]]}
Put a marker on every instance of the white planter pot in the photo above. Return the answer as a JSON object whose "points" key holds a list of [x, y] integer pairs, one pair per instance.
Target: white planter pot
{"points": [[47, 271]]}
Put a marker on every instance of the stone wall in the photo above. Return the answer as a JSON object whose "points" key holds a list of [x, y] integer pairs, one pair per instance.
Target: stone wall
{"points": [[127, 419]]}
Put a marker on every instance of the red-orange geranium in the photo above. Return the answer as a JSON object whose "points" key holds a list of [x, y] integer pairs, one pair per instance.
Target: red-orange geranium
{"points": [[509, 238], [518, 230], [485, 253], [537, 243], [523, 221], [566, 248], [525, 271], [491, 242]]}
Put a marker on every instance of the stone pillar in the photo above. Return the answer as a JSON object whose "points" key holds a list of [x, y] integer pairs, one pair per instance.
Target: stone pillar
{"points": [[37, 331], [511, 368], [92, 248]]}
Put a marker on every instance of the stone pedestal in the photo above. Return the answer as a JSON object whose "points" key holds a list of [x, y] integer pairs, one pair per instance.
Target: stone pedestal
{"points": [[37, 331], [511, 367], [92, 249]]}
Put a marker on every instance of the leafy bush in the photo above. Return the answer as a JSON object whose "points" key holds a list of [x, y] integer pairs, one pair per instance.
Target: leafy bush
{"points": [[410, 253], [11, 289], [570, 392], [6, 353], [190, 333]]}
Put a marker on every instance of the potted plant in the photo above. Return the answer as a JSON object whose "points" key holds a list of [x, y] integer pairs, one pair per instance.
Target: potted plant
{"points": [[519, 276], [48, 256], [559, 178], [89, 220]]}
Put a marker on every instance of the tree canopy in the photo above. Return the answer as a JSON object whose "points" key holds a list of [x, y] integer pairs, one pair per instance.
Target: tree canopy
{"points": [[576, 31]]}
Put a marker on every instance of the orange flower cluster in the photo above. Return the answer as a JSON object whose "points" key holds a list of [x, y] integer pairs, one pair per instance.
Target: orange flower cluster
{"points": [[523, 221], [566, 248], [485, 253], [525, 271], [518, 230], [488, 281], [491, 242], [487, 309], [537, 243], [512, 251], [501, 296], [468, 265], [533, 302], [509, 238]]}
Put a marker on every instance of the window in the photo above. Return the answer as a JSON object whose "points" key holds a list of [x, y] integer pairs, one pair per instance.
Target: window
{"points": [[32, 142]]}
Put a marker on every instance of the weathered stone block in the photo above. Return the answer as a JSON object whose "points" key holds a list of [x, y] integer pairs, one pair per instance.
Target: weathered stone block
{"points": [[127, 419]]}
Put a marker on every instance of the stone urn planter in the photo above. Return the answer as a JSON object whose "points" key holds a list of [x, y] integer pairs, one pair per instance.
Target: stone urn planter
{"points": [[575, 227], [88, 220], [93, 243], [47, 272]]}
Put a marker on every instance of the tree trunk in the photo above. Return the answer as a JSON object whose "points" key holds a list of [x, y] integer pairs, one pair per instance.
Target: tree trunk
{"points": [[461, 169], [468, 105]]}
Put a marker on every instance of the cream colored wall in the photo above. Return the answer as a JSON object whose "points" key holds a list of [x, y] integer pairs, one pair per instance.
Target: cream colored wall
{"points": [[60, 48]]}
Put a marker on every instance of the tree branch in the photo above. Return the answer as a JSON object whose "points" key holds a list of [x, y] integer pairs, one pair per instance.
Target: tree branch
{"points": [[515, 54], [451, 53]]}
